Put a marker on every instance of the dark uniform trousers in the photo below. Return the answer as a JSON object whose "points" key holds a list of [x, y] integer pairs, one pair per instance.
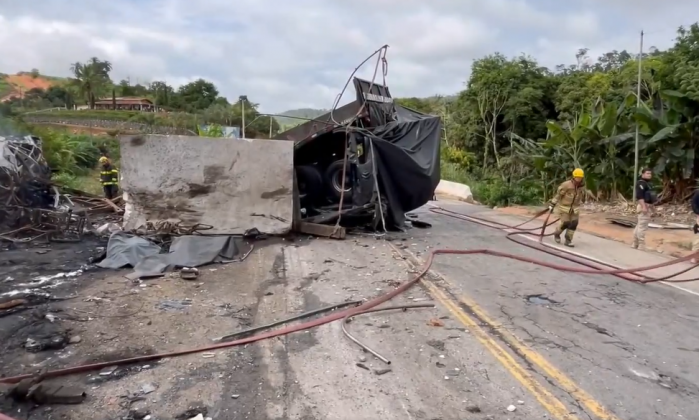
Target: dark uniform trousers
{"points": [[110, 182]]}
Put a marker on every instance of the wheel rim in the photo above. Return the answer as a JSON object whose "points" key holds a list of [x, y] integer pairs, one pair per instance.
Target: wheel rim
{"points": [[337, 182]]}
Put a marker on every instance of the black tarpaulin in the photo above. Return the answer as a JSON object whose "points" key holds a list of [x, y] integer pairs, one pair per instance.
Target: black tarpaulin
{"points": [[407, 156]]}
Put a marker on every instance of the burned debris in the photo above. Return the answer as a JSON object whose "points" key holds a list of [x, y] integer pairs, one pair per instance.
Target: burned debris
{"points": [[32, 207]]}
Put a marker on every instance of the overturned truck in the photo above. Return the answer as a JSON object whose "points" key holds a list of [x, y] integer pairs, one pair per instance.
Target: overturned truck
{"points": [[364, 164]]}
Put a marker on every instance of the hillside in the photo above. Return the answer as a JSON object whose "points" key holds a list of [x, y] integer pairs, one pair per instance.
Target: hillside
{"points": [[13, 85], [299, 113]]}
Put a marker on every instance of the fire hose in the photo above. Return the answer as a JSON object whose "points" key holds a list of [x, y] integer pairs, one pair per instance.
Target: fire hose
{"points": [[595, 267]]}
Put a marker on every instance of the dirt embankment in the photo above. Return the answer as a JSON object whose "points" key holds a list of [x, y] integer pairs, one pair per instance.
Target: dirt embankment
{"points": [[21, 83]]}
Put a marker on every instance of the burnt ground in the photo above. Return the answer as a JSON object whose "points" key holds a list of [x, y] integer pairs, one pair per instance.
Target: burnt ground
{"points": [[437, 371], [41, 274]]}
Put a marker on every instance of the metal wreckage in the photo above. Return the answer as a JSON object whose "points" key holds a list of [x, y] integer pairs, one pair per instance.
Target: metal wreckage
{"points": [[364, 165]]}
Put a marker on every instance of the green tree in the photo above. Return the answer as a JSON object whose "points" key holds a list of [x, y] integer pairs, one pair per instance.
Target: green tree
{"points": [[91, 78], [197, 95]]}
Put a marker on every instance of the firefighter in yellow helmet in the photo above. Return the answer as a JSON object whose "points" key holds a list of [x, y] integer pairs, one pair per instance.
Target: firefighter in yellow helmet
{"points": [[109, 176], [565, 204]]}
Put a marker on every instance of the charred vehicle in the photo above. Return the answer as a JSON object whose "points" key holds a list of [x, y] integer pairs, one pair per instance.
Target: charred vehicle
{"points": [[386, 155]]}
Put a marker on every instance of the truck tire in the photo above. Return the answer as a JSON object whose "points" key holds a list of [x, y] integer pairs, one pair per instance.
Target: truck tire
{"points": [[333, 180], [310, 183]]}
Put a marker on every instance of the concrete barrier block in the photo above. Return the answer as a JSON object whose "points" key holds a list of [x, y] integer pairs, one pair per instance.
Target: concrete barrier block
{"points": [[456, 190], [231, 184]]}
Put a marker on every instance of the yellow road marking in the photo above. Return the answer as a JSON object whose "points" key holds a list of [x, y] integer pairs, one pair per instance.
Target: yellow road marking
{"points": [[567, 384], [549, 401]]}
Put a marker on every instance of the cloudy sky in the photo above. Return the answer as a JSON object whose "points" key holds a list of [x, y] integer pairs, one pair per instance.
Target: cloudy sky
{"points": [[291, 54]]}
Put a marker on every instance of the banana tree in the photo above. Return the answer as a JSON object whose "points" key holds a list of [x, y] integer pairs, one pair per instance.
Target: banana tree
{"points": [[671, 136], [609, 128]]}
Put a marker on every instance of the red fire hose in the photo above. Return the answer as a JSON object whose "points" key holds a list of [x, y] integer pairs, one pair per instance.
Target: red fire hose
{"points": [[595, 268]]}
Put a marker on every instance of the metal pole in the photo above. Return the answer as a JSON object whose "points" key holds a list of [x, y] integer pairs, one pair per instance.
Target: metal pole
{"points": [[638, 105], [242, 128], [270, 127]]}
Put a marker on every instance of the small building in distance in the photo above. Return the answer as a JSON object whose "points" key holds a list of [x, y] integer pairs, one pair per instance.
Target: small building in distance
{"points": [[125, 104]]}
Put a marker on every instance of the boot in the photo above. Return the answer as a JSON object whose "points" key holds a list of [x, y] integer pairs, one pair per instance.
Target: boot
{"points": [[569, 243], [557, 237]]}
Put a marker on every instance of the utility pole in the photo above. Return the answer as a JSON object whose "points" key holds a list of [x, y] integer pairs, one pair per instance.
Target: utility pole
{"points": [[242, 100], [638, 105], [270, 127]]}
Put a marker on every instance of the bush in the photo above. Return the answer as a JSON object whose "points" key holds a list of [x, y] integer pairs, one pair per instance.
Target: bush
{"points": [[74, 154], [459, 157], [496, 192], [491, 190]]}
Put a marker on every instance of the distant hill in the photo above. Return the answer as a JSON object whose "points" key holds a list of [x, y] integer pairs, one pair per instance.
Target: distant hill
{"points": [[12, 85], [299, 113]]}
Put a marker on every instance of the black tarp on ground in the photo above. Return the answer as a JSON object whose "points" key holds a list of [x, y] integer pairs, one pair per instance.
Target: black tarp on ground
{"points": [[126, 250], [407, 156]]}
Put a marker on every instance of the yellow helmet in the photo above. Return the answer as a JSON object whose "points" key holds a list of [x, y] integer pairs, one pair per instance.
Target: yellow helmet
{"points": [[104, 159], [578, 173]]}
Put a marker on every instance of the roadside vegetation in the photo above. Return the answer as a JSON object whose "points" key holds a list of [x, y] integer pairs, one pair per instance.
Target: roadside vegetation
{"points": [[514, 133], [519, 129]]}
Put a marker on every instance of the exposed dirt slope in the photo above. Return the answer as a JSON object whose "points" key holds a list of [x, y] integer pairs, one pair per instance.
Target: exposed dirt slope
{"points": [[23, 82]]}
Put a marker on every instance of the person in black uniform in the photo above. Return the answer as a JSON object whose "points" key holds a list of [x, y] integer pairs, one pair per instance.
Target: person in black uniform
{"points": [[645, 198], [695, 210]]}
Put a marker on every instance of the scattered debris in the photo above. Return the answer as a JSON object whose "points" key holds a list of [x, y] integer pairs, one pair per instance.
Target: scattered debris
{"points": [[382, 371], [34, 390], [189, 273], [540, 299], [174, 305], [511, 408], [362, 365], [147, 388], [108, 371], [436, 344], [12, 303], [473, 409], [366, 348], [36, 345], [434, 322]]}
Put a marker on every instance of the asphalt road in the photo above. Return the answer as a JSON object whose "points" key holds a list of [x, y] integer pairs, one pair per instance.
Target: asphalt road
{"points": [[610, 348], [503, 334]]}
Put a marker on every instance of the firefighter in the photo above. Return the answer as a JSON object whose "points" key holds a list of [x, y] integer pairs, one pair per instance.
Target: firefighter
{"points": [[109, 176], [565, 204]]}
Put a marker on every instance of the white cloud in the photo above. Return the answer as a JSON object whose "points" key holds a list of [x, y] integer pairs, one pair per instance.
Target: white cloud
{"points": [[299, 54]]}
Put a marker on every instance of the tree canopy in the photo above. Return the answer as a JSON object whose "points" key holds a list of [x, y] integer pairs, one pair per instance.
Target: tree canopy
{"points": [[524, 127], [514, 132]]}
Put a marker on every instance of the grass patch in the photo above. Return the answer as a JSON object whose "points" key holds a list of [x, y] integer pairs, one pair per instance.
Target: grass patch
{"points": [[175, 119], [89, 182], [5, 88]]}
